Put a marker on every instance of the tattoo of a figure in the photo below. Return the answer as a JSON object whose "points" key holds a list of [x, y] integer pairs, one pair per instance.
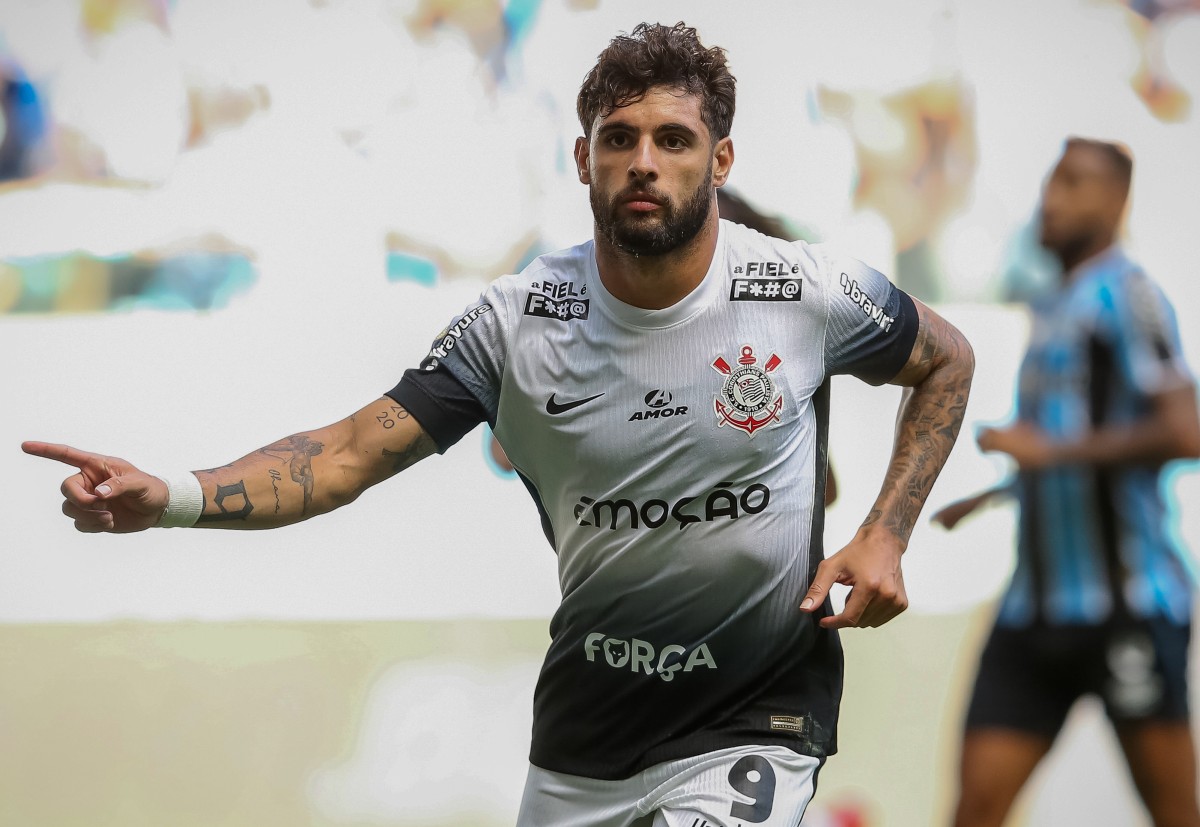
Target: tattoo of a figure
{"points": [[232, 502], [419, 448], [298, 452]]}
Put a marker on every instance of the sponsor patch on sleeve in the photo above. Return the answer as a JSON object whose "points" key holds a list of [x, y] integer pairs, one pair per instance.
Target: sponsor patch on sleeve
{"points": [[448, 338], [872, 310]]}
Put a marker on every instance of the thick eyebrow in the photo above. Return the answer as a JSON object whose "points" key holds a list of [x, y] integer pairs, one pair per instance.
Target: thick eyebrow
{"points": [[672, 127], [678, 127], [615, 126]]}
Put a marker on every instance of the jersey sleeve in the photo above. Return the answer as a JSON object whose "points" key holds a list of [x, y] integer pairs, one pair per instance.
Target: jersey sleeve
{"points": [[1147, 337], [871, 324], [457, 385]]}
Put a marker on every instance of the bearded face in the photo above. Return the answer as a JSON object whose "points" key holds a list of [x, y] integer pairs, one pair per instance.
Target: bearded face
{"points": [[651, 232]]}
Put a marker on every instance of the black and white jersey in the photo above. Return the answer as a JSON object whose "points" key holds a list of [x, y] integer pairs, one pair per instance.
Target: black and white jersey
{"points": [[677, 457]]}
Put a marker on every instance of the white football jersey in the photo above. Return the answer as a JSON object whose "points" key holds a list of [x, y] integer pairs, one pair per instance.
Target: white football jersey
{"points": [[677, 457]]}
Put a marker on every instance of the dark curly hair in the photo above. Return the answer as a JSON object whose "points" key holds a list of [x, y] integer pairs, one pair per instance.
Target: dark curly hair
{"points": [[657, 55]]}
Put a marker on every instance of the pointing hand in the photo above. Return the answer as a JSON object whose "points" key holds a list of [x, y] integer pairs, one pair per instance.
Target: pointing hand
{"points": [[107, 494]]}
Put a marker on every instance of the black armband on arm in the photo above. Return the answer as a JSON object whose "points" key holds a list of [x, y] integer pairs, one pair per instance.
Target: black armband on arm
{"points": [[440, 403], [878, 359]]}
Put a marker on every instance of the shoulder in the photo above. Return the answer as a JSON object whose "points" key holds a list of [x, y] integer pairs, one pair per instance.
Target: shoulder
{"points": [[765, 269], [1125, 291], [568, 262], [554, 285], [560, 273], [1115, 275], [745, 246]]}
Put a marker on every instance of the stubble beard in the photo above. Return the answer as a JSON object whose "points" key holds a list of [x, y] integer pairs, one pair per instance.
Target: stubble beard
{"points": [[652, 236]]}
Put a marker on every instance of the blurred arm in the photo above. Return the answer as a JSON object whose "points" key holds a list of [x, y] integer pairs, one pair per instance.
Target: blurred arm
{"points": [[1170, 430], [951, 515]]}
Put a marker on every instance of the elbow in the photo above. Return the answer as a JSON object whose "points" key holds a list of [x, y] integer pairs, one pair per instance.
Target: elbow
{"points": [[961, 366], [1179, 443], [1189, 446], [1184, 429], [968, 357]]}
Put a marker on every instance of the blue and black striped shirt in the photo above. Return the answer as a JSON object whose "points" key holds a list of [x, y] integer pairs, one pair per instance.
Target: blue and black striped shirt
{"points": [[1101, 349]]}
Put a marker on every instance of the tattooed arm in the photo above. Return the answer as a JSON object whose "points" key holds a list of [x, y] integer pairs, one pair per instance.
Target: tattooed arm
{"points": [[291, 480], [937, 380], [314, 472]]}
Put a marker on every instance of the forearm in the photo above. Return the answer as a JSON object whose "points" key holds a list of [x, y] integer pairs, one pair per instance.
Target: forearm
{"points": [[1170, 431], [1137, 443], [997, 492], [313, 472], [930, 417], [285, 482]]}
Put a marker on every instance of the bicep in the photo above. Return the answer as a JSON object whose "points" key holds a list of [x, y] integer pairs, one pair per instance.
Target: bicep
{"points": [[384, 439], [938, 343]]}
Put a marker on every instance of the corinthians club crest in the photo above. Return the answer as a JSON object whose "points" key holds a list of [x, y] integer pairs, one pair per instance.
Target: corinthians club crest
{"points": [[749, 399]]}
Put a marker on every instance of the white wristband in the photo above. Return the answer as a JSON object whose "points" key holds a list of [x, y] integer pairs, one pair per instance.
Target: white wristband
{"points": [[185, 501]]}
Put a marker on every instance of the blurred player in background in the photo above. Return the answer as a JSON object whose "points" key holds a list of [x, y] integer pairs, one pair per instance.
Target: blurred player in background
{"points": [[663, 391], [1100, 602]]}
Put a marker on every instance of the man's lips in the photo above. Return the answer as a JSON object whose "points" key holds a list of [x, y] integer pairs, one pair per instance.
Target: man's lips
{"points": [[641, 202]]}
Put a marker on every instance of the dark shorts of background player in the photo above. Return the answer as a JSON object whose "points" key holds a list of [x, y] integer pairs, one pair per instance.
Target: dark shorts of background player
{"points": [[1030, 677]]}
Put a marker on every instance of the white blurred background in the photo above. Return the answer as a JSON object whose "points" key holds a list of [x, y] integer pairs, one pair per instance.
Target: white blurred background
{"points": [[222, 222]]}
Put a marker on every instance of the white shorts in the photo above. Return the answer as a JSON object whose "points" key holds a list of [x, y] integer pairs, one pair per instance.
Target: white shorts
{"points": [[738, 787]]}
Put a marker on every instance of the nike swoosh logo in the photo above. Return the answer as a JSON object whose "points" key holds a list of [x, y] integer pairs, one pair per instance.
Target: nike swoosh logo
{"points": [[555, 408]]}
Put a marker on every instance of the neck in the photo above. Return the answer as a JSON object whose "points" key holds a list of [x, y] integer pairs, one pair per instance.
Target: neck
{"points": [[1073, 255], [656, 282]]}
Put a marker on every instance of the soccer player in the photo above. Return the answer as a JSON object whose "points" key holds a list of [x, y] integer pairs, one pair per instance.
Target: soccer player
{"points": [[1100, 602], [663, 391]]}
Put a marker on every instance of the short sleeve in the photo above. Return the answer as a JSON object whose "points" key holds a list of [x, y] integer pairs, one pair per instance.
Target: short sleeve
{"points": [[457, 385], [1147, 336], [871, 325]]}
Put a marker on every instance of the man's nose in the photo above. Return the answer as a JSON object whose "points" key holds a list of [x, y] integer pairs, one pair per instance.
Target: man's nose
{"points": [[644, 163]]}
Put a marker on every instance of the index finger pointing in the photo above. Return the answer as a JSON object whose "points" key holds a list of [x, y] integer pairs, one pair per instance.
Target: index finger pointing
{"points": [[62, 453]]}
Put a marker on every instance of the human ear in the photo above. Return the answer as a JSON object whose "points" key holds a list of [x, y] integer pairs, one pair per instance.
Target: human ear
{"points": [[722, 160], [583, 153]]}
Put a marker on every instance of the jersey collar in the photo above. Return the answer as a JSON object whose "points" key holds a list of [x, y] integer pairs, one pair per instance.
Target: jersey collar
{"points": [[629, 316]]}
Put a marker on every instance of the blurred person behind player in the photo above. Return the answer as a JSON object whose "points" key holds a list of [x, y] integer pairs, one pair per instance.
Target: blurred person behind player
{"points": [[1100, 601], [663, 391]]}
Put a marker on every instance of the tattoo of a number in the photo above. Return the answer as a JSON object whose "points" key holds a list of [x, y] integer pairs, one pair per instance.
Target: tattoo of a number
{"points": [[226, 511], [298, 451], [754, 777], [389, 420], [419, 448]]}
